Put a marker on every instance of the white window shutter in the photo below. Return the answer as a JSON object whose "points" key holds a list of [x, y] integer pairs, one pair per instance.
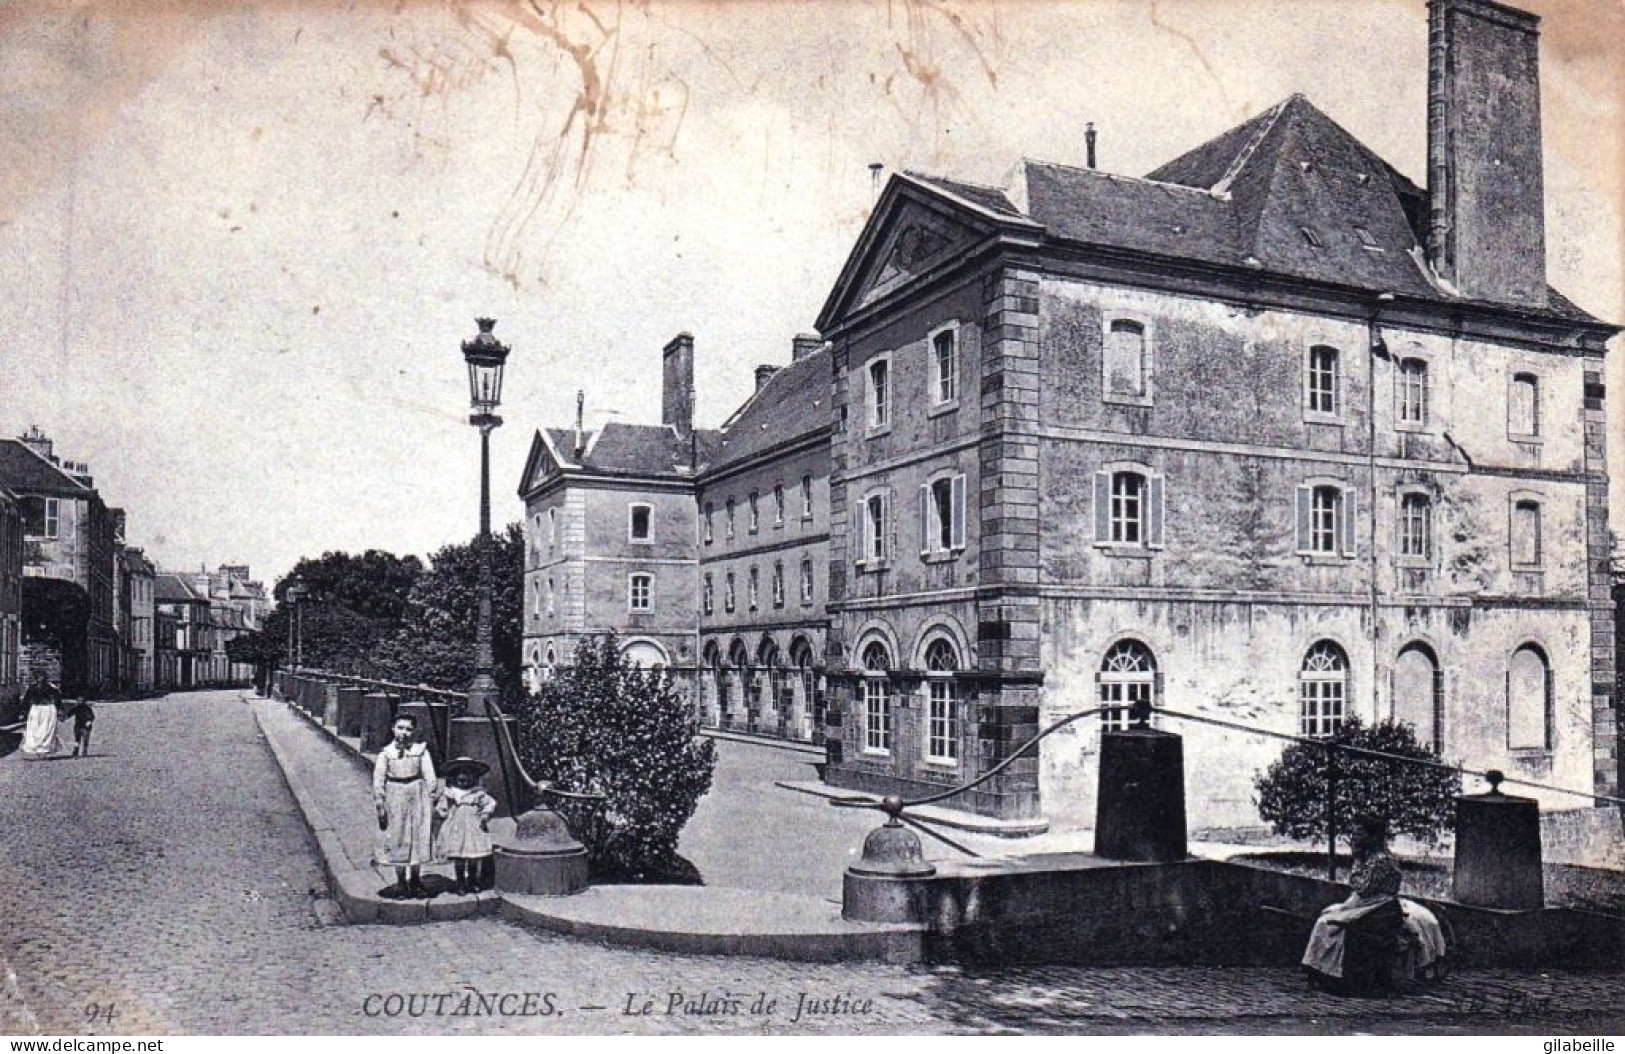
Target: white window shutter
{"points": [[925, 518], [1103, 507], [959, 512], [1347, 511], [1305, 514], [859, 518], [1154, 513]]}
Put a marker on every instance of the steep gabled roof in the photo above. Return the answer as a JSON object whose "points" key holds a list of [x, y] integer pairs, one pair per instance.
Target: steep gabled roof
{"points": [[175, 589], [793, 403], [26, 472], [649, 451], [1288, 192]]}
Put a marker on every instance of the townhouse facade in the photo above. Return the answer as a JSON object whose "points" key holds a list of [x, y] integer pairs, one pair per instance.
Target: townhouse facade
{"points": [[11, 601], [137, 575], [191, 643], [71, 627], [1271, 436]]}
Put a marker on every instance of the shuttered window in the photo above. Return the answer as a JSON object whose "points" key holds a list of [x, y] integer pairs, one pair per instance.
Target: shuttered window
{"points": [[1128, 509], [942, 515]]}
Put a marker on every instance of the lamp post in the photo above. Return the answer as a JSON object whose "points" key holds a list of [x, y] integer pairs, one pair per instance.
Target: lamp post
{"points": [[486, 357], [296, 624]]}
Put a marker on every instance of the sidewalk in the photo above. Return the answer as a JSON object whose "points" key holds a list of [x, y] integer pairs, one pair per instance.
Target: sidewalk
{"points": [[330, 781]]}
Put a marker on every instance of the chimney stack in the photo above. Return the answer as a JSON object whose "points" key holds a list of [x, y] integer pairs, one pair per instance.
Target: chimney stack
{"points": [[581, 413], [764, 373], [1089, 142], [1487, 209], [38, 442], [677, 385], [804, 344]]}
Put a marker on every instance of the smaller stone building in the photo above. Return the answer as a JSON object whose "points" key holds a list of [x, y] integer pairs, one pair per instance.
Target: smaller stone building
{"points": [[11, 601]]}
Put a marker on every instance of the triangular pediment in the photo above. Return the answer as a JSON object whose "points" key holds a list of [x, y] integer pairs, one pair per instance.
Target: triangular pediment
{"points": [[541, 464], [914, 230]]}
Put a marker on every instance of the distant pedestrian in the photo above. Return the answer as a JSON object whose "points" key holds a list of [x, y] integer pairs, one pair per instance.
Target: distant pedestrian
{"points": [[84, 718], [403, 790], [465, 832], [40, 738]]}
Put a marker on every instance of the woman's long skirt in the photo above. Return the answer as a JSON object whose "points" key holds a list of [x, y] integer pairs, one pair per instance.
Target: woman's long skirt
{"points": [[406, 835], [40, 737]]}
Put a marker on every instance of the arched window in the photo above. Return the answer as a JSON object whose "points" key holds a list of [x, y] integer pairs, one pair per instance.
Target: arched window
{"points": [[1529, 700], [1418, 693], [1415, 526], [1125, 359], [1412, 394], [1323, 689], [1128, 676], [942, 702], [876, 693]]}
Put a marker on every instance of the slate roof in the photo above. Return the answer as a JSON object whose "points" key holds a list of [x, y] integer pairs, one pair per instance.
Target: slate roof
{"points": [[25, 472], [1288, 192], [628, 449], [794, 402], [173, 589]]}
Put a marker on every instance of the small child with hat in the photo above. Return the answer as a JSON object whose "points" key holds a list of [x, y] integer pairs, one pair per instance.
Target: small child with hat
{"points": [[466, 809]]}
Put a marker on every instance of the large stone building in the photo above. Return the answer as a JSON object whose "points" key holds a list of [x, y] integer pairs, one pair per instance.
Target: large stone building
{"points": [[763, 501], [1272, 435], [609, 532], [70, 629], [137, 575], [704, 550], [179, 605]]}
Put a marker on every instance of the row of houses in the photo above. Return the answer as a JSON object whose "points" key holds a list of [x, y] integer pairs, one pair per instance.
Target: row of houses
{"points": [[91, 611], [1272, 435]]}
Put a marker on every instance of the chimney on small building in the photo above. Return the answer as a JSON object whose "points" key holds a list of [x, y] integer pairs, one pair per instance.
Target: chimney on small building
{"points": [[677, 385], [39, 443], [581, 413], [804, 344], [1089, 142], [1486, 199], [764, 373]]}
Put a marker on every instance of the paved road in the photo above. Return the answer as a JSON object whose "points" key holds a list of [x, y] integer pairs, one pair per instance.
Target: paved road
{"points": [[169, 879]]}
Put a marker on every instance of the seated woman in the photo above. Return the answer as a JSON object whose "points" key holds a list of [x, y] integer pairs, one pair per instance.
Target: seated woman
{"points": [[1373, 909]]}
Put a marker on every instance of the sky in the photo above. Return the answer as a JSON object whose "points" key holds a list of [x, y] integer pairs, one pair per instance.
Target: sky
{"points": [[240, 243]]}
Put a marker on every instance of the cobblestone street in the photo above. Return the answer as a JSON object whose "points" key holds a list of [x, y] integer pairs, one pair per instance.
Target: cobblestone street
{"points": [[170, 879]]}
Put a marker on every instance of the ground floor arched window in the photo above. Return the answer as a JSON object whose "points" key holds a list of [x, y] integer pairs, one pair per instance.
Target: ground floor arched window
{"points": [[1323, 685], [1418, 693], [1529, 700], [1128, 677], [942, 703], [875, 690]]}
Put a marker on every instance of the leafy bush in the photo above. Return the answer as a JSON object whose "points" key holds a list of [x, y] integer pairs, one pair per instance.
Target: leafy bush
{"points": [[608, 726], [1418, 800]]}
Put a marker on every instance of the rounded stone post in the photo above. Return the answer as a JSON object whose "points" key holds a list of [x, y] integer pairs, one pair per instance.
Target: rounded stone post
{"points": [[1498, 857]]}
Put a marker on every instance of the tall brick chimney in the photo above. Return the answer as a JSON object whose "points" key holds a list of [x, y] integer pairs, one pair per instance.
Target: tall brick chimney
{"points": [[1487, 218], [677, 384]]}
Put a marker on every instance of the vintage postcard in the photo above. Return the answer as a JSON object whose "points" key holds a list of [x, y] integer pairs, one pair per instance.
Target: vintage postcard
{"points": [[863, 517]]}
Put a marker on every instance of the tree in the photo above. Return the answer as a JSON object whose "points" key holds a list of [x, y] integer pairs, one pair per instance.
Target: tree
{"points": [[1418, 800], [352, 604], [434, 642], [606, 725]]}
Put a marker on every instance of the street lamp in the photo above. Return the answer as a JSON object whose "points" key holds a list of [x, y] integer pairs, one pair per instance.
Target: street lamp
{"points": [[486, 357], [296, 629]]}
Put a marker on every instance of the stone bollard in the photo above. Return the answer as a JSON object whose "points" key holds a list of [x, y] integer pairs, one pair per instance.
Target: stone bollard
{"points": [[349, 721], [536, 855], [885, 885], [1140, 807], [377, 715], [328, 708], [1498, 858], [473, 737]]}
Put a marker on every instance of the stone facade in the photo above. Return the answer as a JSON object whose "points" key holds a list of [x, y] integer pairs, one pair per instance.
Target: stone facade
{"points": [[1214, 441], [11, 601]]}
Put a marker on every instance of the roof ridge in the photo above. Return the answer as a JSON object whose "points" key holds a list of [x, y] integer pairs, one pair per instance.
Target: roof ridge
{"points": [[914, 173], [1245, 154], [48, 463], [1204, 191]]}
